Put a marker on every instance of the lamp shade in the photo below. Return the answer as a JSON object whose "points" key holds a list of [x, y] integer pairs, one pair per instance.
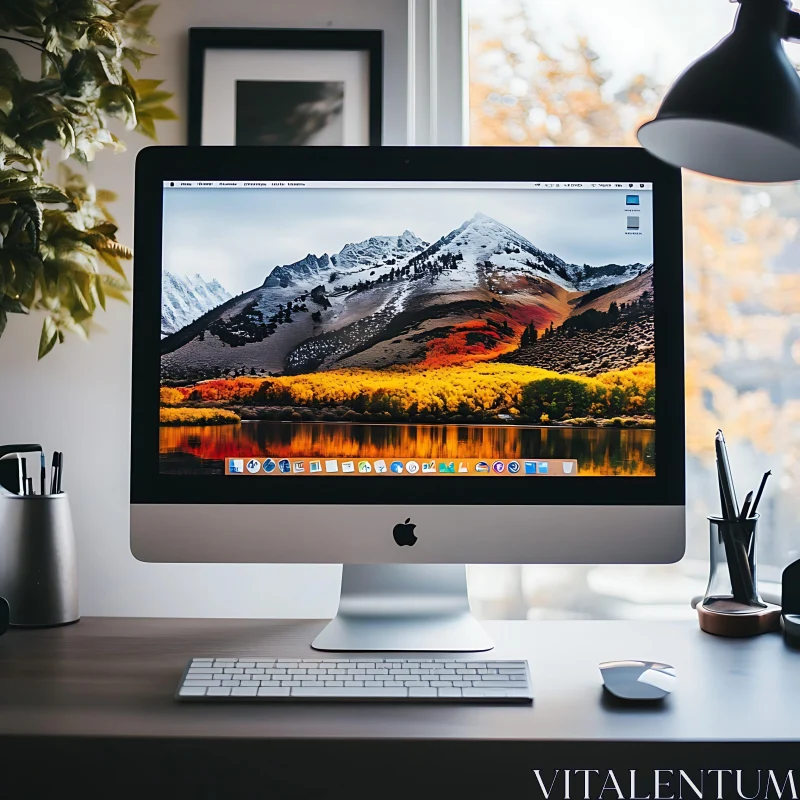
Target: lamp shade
{"points": [[735, 112]]}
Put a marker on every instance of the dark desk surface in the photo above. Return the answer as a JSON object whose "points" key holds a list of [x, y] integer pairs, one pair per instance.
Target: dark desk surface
{"points": [[116, 678]]}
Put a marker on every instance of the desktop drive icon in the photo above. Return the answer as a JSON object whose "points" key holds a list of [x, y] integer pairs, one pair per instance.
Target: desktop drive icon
{"points": [[348, 466], [568, 466], [364, 466], [412, 467], [632, 200], [253, 466], [482, 466], [397, 467], [633, 223], [284, 465], [513, 467], [499, 467], [530, 467], [269, 465], [380, 466], [236, 466], [543, 468]]}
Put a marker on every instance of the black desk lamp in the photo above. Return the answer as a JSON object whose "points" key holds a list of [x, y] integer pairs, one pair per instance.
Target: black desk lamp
{"points": [[735, 112]]}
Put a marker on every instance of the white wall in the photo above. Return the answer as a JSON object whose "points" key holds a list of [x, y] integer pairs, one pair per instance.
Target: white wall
{"points": [[77, 399]]}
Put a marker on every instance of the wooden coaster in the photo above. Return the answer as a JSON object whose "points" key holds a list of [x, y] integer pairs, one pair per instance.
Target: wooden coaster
{"points": [[736, 622]]}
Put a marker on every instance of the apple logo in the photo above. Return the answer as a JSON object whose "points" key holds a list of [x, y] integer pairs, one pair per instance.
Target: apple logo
{"points": [[404, 533]]}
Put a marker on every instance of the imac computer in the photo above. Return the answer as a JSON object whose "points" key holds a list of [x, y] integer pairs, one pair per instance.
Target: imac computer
{"points": [[407, 360]]}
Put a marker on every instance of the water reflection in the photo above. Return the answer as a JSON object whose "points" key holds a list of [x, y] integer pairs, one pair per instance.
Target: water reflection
{"points": [[598, 451]]}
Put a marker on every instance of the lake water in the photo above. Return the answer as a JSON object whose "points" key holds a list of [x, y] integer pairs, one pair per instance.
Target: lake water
{"points": [[598, 451]]}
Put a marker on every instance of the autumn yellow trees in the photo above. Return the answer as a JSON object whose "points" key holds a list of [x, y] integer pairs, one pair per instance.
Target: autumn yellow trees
{"points": [[442, 392]]}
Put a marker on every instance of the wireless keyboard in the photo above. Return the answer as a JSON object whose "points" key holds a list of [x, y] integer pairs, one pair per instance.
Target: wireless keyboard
{"points": [[362, 678]]}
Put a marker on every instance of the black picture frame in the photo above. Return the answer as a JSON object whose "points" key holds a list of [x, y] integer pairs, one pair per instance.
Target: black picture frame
{"points": [[203, 39], [154, 165]]}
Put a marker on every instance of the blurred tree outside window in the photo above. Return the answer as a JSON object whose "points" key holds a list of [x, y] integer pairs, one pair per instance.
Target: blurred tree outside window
{"points": [[571, 73]]}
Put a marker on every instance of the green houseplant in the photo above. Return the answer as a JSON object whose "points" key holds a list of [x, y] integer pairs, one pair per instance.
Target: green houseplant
{"points": [[58, 248]]}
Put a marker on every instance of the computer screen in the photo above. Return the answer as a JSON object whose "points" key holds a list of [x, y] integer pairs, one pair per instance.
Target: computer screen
{"points": [[383, 329]]}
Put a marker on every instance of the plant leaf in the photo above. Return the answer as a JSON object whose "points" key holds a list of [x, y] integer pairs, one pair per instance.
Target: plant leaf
{"points": [[49, 337]]}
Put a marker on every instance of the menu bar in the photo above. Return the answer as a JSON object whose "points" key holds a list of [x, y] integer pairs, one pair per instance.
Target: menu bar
{"points": [[616, 185], [402, 466]]}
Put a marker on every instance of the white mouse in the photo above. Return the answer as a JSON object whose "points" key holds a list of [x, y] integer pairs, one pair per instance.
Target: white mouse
{"points": [[638, 680]]}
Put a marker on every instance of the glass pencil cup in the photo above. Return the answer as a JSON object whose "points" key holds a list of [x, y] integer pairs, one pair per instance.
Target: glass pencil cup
{"points": [[731, 605]]}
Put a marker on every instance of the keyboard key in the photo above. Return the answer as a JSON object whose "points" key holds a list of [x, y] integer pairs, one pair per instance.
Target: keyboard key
{"points": [[354, 683], [218, 691], [199, 676], [287, 683], [230, 683], [334, 683], [348, 692], [421, 692], [191, 691], [201, 683], [275, 691], [244, 692], [312, 683], [450, 692], [246, 664], [373, 684], [502, 684], [511, 671], [439, 684]]}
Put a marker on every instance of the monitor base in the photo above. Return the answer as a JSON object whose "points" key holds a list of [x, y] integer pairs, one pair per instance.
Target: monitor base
{"points": [[404, 607]]}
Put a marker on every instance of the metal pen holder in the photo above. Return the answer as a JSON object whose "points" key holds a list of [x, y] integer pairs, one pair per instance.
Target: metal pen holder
{"points": [[38, 562], [732, 605]]}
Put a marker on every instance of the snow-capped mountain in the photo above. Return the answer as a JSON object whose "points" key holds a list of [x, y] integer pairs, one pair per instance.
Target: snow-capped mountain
{"points": [[307, 269], [482, 239], [352, 258], [377, 250], [185, 298], [587, 278]]}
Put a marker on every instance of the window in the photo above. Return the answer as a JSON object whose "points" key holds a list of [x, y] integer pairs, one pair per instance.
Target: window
{"points": [[571, 73]]}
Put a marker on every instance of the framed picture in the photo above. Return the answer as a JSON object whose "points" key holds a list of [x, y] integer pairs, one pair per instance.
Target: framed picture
{"points": [[272, 86]]}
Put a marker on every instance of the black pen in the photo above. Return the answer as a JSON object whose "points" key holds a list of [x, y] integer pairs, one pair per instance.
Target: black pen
{"points": [[760, 492], [24, 487], [53, 468], [60, 472], [745, 513], [43, 475]]}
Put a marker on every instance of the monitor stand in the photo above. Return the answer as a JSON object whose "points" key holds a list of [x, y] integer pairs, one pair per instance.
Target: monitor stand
{"points": [[404, 607]]}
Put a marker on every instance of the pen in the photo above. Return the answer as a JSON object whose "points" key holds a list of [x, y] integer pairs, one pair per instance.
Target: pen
{"points": [[726, 478], [60, 472], [24, 487], [760, 492], [746, 507], [43, 473], [29, 487], [53, 468]]}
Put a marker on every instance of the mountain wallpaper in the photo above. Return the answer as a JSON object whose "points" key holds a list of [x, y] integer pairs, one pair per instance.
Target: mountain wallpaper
{"points": [[385, 346]]}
